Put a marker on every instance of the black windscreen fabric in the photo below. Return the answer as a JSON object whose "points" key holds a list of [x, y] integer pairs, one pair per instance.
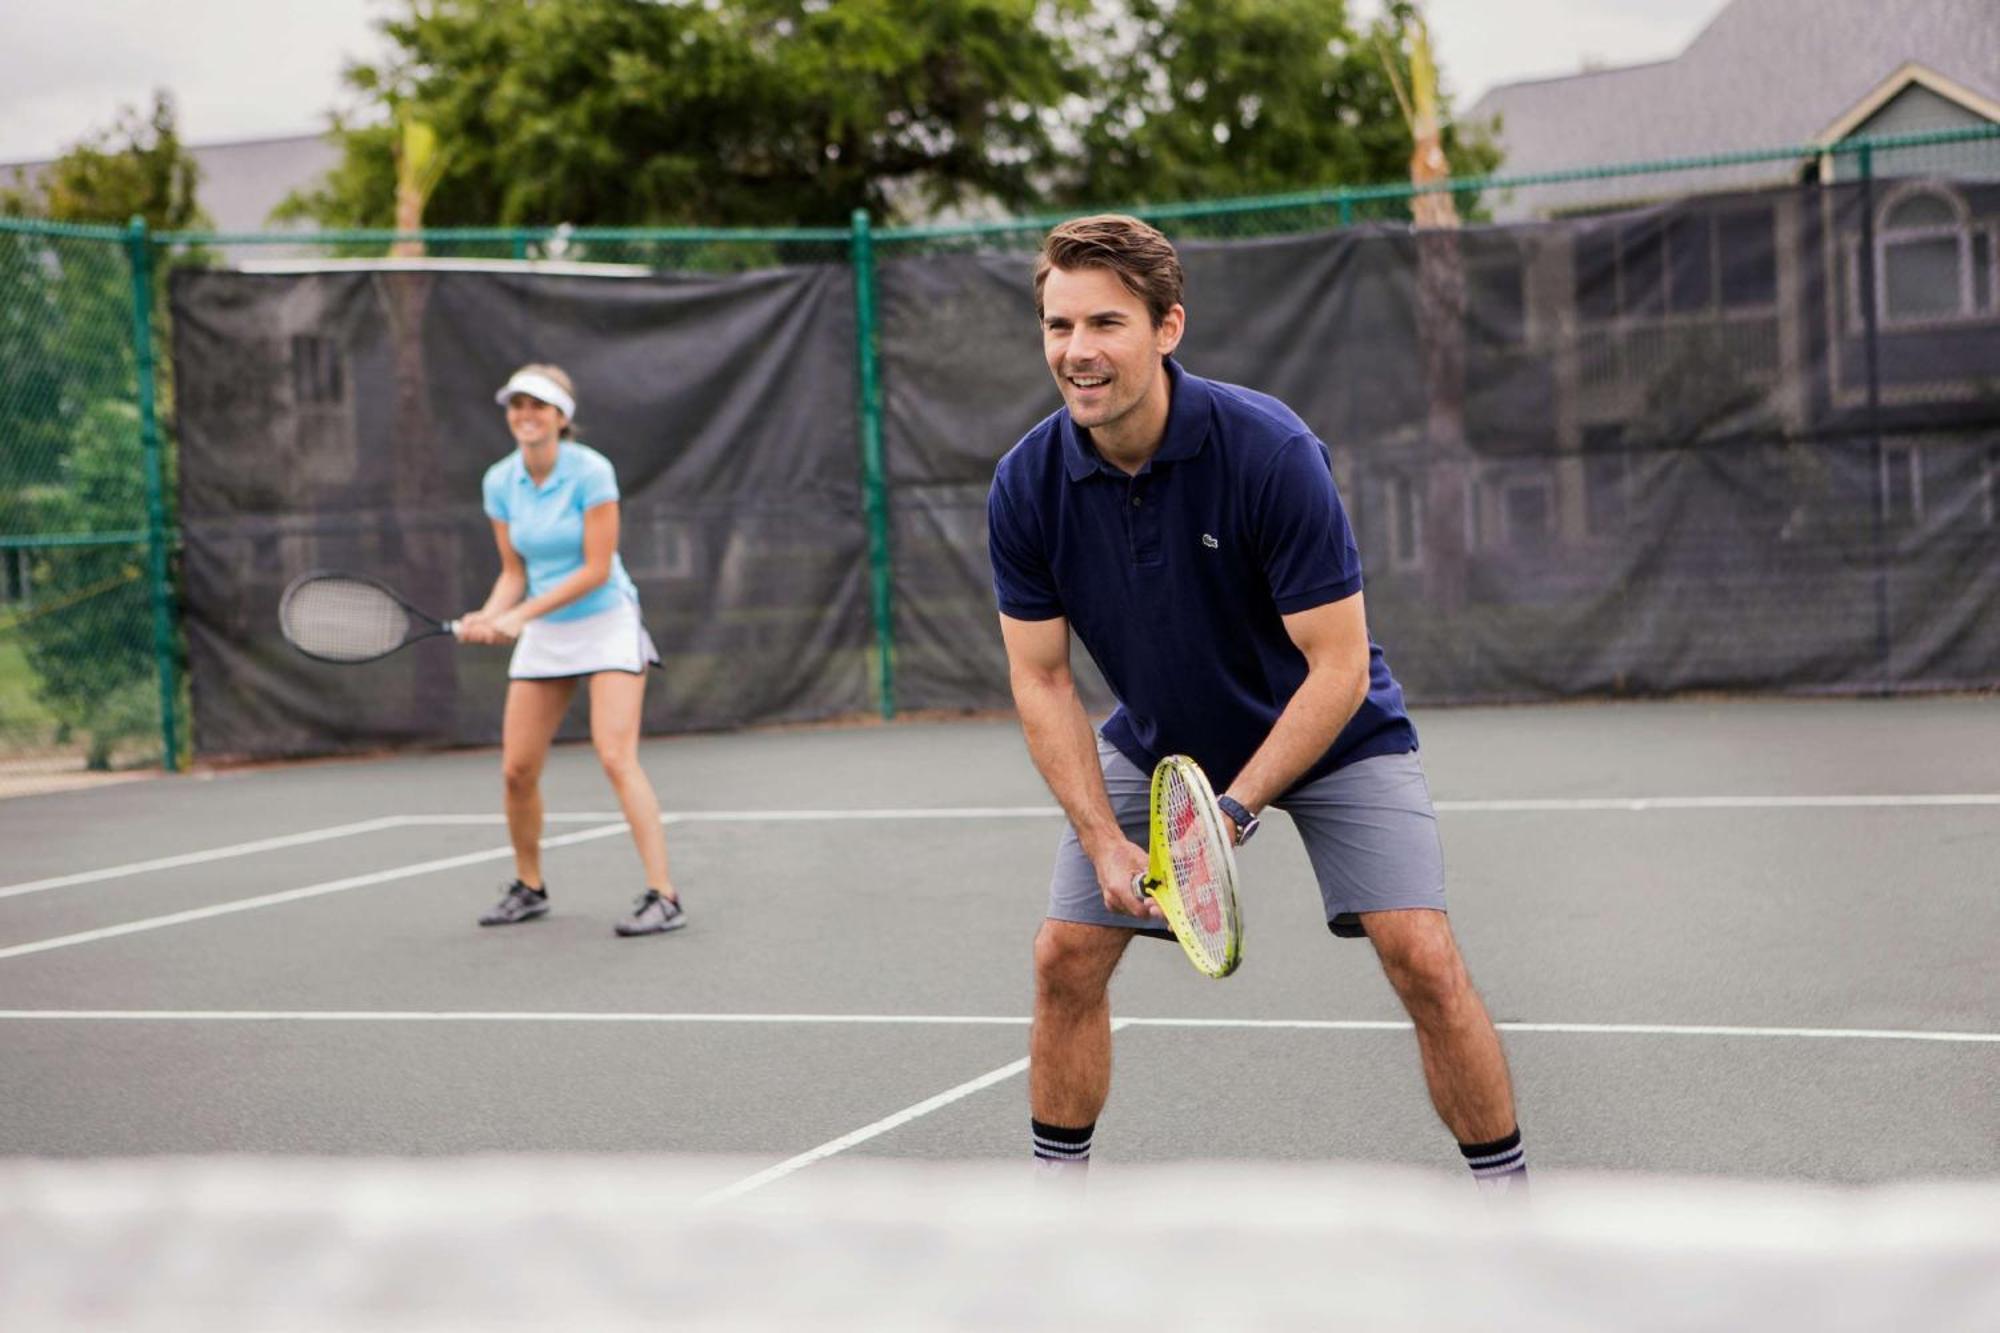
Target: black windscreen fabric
{"points": [[343, 420], [1636, 453], [1628, 454]]}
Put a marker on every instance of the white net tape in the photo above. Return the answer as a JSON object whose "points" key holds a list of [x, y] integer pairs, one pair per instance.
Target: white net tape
{"points": [[612, 1244]]}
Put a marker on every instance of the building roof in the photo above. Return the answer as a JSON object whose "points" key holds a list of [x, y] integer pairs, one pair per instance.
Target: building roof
{"points": [[240, 182], [1762, 74]]}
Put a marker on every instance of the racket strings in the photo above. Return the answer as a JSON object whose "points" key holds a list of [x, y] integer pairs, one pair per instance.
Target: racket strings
{"points": [[344, 619], [1195, 853]]}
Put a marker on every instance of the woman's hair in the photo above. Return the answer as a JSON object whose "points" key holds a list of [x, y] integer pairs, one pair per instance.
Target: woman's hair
{"points": [[563, 382], [1142, 258]]}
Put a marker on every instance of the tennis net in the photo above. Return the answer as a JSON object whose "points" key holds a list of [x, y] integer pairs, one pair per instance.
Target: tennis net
{"points": [[615, 1243]]}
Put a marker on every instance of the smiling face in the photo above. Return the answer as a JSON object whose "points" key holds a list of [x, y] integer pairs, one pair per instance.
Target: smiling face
{"points": [[1107, 358], [534, 423]]}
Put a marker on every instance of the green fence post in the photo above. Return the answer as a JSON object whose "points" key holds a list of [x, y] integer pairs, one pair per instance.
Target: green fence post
{"points": [[139, 249], [1346, 208], [875, 489]]}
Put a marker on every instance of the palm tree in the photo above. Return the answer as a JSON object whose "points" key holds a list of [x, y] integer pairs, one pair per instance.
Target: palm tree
{"points": [[1440, 321]]}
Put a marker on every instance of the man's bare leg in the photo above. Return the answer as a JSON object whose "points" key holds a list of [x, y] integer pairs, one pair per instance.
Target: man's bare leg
{"points": [[1464, 1066], [1069, 1046]]}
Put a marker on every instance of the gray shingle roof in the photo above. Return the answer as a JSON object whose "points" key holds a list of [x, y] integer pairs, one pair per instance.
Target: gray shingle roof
{"points": [[1763, 74]]}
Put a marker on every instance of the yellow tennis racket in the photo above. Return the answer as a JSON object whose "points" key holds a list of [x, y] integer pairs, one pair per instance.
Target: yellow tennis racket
{"points": [[1191, 867]]}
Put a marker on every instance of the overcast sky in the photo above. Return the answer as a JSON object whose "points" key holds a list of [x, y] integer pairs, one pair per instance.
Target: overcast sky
{"points": [[254, 69]]}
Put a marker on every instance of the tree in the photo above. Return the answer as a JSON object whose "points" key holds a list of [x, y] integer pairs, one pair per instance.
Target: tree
{"points": [[72, 461], [138, 168], [787, 112], [1440, 309], [797, 112], [1204, 99]]}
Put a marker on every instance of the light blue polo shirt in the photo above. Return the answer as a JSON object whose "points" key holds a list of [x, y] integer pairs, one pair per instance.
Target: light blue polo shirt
{"points": [[545, 522]]}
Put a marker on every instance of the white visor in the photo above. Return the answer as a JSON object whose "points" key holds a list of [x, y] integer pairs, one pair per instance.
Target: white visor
{"points": [[540, 388]]}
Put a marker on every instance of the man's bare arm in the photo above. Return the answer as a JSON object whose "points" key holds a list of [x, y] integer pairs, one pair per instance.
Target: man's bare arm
{"points": [[1064, 749], [1334, 639]]}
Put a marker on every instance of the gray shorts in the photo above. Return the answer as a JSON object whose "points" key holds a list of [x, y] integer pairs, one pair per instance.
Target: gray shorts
{"points": [[1369, 831]]}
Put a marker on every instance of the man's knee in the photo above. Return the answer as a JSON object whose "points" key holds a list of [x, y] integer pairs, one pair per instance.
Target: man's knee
{"points": [[1420, 958], [1073, 962]]}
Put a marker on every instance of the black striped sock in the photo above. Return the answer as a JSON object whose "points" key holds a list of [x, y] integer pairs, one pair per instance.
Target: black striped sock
{"points": [[1501, 1164], [1056, 1145]]}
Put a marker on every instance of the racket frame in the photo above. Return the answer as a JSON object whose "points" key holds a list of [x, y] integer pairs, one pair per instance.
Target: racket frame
{"points": [[1159, 883], [434, 626]]}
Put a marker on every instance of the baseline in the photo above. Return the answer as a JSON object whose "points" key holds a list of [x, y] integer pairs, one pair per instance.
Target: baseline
{"points": [[968, 1020]]}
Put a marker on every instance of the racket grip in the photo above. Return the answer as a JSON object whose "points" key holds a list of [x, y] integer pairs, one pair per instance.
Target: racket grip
{"points": [[1142, 887]]}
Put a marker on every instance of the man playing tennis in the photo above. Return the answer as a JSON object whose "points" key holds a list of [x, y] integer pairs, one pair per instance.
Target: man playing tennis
{"points": [[1190, 533]]}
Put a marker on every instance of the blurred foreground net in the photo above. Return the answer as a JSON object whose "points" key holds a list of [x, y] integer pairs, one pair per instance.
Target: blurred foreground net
{"points": [[609, 1243]]}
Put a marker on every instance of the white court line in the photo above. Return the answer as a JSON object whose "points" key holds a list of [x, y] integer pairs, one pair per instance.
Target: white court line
{"points": [[867, 1132], [956, 1020], [295, 895], [1633, 804], [203, 857], [484, 820], [1643, 803]]}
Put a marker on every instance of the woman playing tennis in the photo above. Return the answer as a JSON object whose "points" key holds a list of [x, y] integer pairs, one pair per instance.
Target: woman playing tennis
{"points": [[565, 602]]}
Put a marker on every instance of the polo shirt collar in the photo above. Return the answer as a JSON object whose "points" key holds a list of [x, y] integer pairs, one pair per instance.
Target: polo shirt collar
{"points": [[521, 476], [1187, 428]]}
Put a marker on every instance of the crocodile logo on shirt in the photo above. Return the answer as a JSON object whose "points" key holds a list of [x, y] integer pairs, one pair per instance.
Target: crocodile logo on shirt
{"points": [[1210, 542]]}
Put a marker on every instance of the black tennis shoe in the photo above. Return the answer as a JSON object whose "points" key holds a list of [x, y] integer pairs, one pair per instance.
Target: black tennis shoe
{"points": [[521, 903], [652, 914]]}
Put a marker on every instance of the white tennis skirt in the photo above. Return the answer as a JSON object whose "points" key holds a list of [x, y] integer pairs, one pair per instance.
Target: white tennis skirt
{"points": [[613, 640]]}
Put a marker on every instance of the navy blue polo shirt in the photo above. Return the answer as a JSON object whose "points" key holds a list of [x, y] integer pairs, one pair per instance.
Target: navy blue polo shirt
{"points": [[1176, 579]]}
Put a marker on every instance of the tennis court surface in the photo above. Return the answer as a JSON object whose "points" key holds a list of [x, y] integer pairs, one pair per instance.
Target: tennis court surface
{"points": [[1722, 939]]}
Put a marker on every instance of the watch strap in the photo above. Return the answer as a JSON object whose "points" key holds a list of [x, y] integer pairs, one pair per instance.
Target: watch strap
{"points": [[1239, 814]]}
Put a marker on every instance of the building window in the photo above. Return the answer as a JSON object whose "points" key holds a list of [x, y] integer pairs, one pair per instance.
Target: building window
{"points": [[1902, 483], [1406, 523], [1496, 308], [1747, 239], [662, 548], [1925, 259], [316, 372], [1527, 512], [1690, 262], [1513, 509], [1606, 480], [1695, 262], [1596, 274]]}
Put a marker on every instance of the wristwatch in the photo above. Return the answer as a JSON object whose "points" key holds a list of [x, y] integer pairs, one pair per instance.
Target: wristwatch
{"points": [[1239, 815]]}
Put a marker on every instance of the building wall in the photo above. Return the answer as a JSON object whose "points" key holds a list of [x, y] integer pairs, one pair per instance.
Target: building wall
{"points": [[1918, 110]]}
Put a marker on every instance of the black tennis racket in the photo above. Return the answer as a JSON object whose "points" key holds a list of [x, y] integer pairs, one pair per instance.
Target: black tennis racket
{"points": [[348, 618]]}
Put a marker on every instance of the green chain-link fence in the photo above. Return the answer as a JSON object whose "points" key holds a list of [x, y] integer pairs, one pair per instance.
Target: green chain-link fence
{"points": [[86, 653], [89, 653]]}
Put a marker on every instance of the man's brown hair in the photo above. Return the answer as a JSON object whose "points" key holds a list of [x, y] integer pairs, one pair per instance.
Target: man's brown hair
{"points": [[1143, 259]]}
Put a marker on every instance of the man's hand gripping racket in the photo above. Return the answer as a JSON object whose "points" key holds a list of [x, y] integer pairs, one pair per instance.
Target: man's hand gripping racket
{"points": [[1191, 867]]}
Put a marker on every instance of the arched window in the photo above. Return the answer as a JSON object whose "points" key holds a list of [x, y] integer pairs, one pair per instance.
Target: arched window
{"points": [[1925, 259]]}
